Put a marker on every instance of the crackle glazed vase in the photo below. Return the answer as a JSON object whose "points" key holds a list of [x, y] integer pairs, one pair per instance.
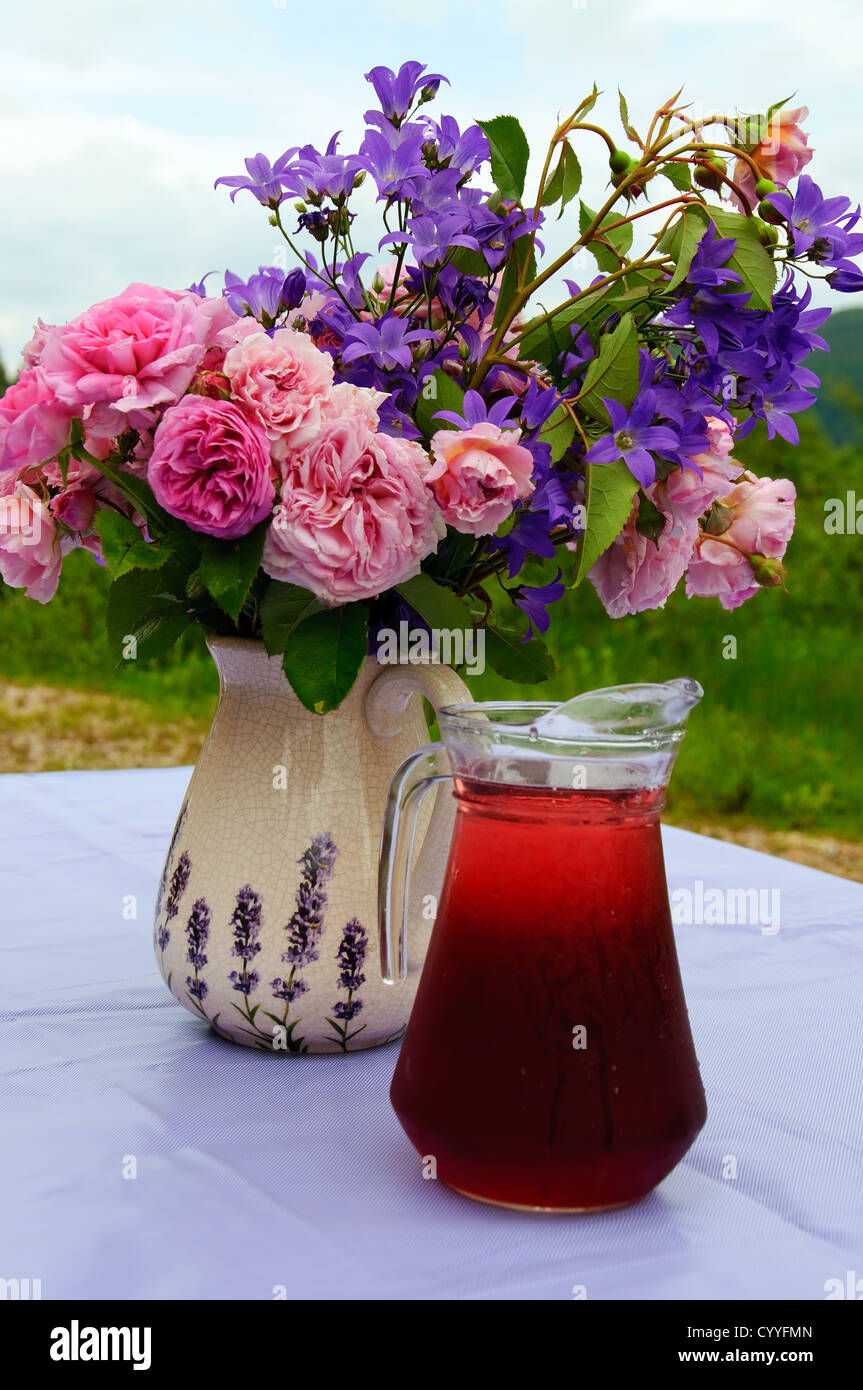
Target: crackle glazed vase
{"points": [[266, 923]]}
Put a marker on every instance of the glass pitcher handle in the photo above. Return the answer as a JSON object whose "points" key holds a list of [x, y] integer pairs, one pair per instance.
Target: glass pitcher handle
{"points": [[424, 769]]}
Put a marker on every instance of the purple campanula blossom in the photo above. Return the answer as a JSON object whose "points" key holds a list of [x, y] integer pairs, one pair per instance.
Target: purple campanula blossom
{"points": [[817, 226], [266, 295], [477, 412], [396, 90], [200, 289], [708, 266], [632, 436], [262, 179], [534, 600], [329, 175], [386, 341], [394, 158], [463, 150], [847, 278]]}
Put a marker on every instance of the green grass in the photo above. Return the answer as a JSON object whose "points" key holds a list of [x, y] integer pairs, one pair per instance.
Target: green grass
{"points": [[774, 741]]}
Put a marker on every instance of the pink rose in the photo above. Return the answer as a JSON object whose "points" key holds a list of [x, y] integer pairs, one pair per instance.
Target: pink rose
{"points": [[347, 399], [684, 496], [210, 467], [478, 475], [283, 381], [355, 515], [33, 425], [742, 558], [32, 351], [781, 155], [30, 549], [122, 357], [636, 572]]}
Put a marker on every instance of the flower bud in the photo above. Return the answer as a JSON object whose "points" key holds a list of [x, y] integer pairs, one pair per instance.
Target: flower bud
{"points": [[765, 186], [769, 213], [769, 573], [464, 351], [300, 206], [619, 162], [359, 178], [767, 235], [719, 518]]}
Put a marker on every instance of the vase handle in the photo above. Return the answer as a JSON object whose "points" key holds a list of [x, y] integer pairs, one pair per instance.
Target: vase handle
{"points": [[426, 768], [386, 701], [390, 693]]}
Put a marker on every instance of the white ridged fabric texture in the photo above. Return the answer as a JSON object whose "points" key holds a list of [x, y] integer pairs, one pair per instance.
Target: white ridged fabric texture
{"points": [[261, 1177]]}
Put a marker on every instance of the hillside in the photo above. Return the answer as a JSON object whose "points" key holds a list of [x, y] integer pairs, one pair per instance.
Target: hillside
{"points": [[840, 401]]}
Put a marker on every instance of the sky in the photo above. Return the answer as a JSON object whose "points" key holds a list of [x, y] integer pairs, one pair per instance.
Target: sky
{"points": [[116, 116]]}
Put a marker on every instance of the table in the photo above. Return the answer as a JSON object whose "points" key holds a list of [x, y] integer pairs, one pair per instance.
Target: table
{"points": [[259, 1177]]}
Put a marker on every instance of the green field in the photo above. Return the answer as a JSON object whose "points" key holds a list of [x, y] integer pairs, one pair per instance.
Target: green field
{"points": [[776, 740]]}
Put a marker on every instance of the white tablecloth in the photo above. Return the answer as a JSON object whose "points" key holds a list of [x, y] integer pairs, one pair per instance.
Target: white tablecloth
{"points": [[261, 1176]]}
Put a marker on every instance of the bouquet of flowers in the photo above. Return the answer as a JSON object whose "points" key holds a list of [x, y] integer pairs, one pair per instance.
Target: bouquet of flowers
{"points": [[409, 433]]}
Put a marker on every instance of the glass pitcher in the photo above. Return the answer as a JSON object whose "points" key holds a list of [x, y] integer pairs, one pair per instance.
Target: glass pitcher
{"points": [[548, 1062]]}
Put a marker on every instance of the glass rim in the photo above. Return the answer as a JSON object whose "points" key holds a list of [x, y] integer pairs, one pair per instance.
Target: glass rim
{"points": [[467, 717]]}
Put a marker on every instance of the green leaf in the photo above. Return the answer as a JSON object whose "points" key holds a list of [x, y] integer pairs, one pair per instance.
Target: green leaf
{"points": [[751, 260], [509, 154], [470, 262], [146, 605], [565, 181], [620, 239], [588, 104], [650, 522], [513, 271], [516, 660], [679, 175], [624, 116], [438, 392], [614, 370], [439, 607], [611, 489], [544, 342], [123, 546], [325, 654], [558, 431], [453, 555], [228, 568], [284, 607], [680, 241]]}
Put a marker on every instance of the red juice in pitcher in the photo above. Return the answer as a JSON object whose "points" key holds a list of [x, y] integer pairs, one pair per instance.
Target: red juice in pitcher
{"points": [[548, 1061]]}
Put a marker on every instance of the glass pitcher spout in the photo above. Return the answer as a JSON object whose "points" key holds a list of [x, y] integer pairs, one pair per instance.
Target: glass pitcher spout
{"points": [[624, 711]]}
